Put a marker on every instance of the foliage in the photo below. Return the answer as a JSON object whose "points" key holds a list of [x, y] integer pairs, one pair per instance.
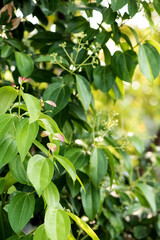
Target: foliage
{"points": [[92, 174]]}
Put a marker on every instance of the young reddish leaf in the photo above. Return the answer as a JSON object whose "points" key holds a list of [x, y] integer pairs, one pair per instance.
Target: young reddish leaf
{"points": [[59, 136], [51, 103], [52, 147], [45, 134]]}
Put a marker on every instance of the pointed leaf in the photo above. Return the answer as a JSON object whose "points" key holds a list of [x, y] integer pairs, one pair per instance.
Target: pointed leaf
{"points": [[57, 224], [58, 93], [111, 161], [117, 4], [25, 64], [149, 195], [5, 123], [33, 106], [67, 165], [20, 210], [132, 7], [90, 201], [119, 65], [104, 78], [84, 226], [156, 4], [5, 228], [149, 61], [84, 91], [25, 136], [77, 157], [40, 233], [19, 169], [8, 149], [51, 195], [40, 172], [98, 166], [8, 96]]}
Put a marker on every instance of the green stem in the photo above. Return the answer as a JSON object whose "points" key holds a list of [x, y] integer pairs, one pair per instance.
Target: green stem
{"points": [[41, 147], [71, 72], [68, 55], [84, 61], [77, 52], [19, 100]]}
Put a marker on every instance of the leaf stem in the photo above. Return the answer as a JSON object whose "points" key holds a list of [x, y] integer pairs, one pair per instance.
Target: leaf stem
{"points": [[68, 55]]}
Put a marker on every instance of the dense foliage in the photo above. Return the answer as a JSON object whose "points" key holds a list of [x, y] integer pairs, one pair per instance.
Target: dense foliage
{"points": [[59, 170]]}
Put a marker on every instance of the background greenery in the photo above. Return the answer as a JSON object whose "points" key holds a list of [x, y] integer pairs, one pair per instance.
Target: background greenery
{"points": [[107, 106]]}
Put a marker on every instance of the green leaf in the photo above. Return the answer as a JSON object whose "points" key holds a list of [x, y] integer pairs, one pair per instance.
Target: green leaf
{"points": [[40, 233], [58, 93], [78, 115], [149, 195], [28, 8], [67, 165], [84, 91], [156, 4], [132, 7], [109, 16], [71, 237], [25, 136], [135, 34], [90, 201], [33, 106], [111, 161], [77, 156], [24, 63], [2, 184], [141, 232], [48, 124], [107, 55], [44, 59], [5, 228], [131, 62], [119, 65], [6, 51], [149, 61], [20, 210], [16, 43], [154, 44], [40, 172], [51, 195], [7, 95], [104, 78], [21, 237], [84, 226], [49, 6], [5, 123], [98, 166], [137, 143], [74, 187], [116, 4], [8, 149], [78, 24], [19, 169], [57, 224]]}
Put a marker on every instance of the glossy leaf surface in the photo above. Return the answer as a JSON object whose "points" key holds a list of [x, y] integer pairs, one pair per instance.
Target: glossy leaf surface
{"points": [[149, 61], [84, 91], [57, 224], [25, 64], [90, 201], [8, 96], [20, 210], [98, 166], [25, 135], [40, 171], [8, 149]]}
